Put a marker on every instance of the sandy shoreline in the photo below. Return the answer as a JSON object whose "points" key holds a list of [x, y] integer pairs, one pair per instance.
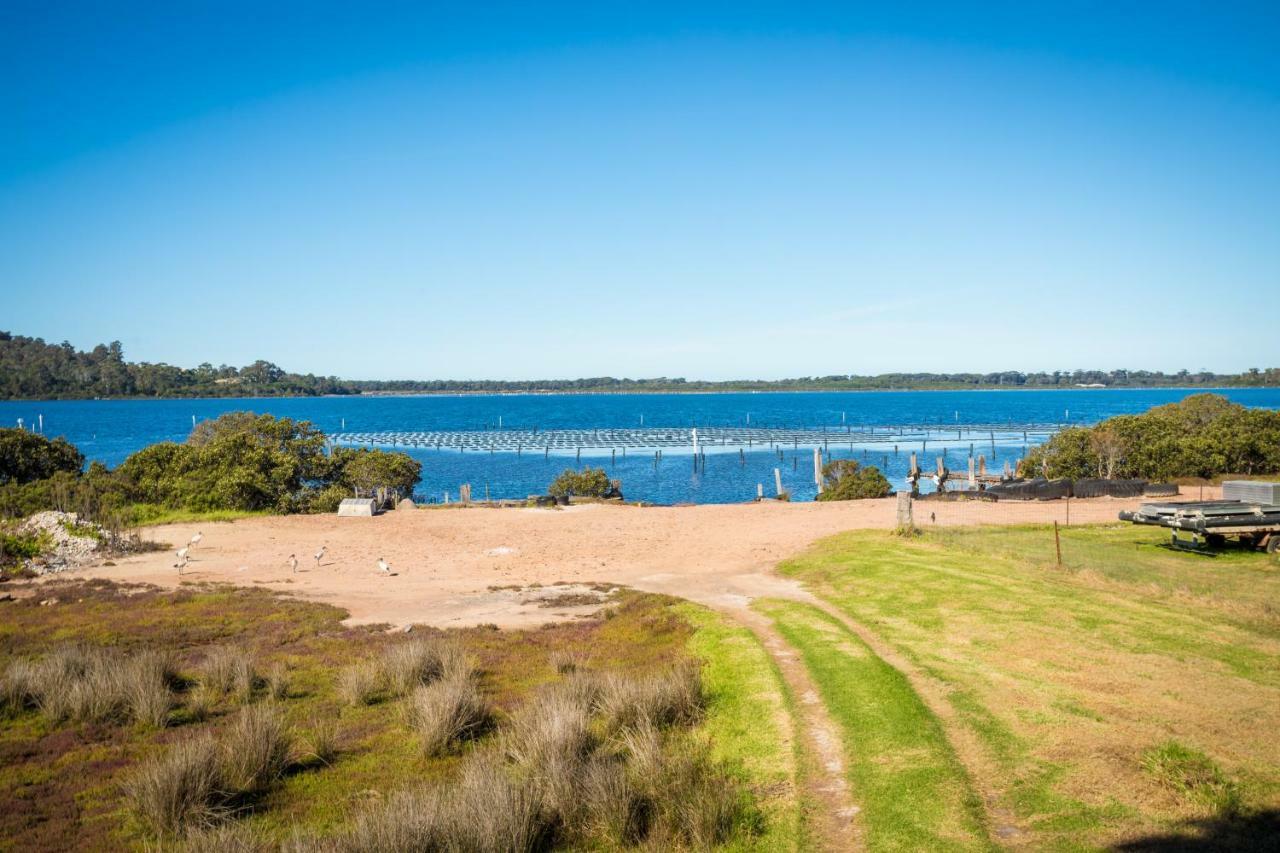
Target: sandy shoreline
{"points": [[466, 566]]}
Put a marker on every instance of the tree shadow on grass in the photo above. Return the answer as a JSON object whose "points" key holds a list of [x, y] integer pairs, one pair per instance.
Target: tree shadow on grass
{"points": [[1258, 831]]}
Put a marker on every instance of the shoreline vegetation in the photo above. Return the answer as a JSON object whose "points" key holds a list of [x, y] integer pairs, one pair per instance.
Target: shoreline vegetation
{"points": [[31, 369]]}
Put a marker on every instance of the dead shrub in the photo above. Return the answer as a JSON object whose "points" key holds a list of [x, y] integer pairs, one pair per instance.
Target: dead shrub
{"points": [[446, 713], [178, 790], [255, 749]]}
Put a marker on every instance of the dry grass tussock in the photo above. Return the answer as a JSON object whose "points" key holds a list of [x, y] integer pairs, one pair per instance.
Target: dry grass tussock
{"points": [[197, 783], [422, 660], [552, 779], [360, 683], [229, 670], [82, 684], [447, 712]]}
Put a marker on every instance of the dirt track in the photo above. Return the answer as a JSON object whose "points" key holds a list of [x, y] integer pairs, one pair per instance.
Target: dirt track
{"points": [[447, 562]]}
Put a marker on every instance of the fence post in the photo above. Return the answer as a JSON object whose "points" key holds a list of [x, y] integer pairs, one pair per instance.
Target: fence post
{"points": [[905, 521], [1057, 543]]}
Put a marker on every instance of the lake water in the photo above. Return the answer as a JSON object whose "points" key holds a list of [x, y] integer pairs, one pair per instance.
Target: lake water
{"points": [[109, 430]]}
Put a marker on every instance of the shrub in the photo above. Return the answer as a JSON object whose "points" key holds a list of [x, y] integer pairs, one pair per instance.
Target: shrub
{"points": [[255, 749], [26, 457], [360, 683], [846, 480], [589, 482], [447, 712], [177, 790]]}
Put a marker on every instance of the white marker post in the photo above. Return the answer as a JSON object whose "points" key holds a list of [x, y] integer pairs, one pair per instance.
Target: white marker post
{"points": [[817, 469]]}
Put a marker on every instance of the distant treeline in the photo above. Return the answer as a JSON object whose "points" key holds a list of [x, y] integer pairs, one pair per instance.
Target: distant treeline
{"points": [[33, 369]]}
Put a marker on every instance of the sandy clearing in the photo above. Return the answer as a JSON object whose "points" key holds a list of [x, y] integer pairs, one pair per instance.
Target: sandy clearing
{"points": [[449, 564]]}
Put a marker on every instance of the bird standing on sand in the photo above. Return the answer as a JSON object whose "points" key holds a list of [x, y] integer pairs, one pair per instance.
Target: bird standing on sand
{"points": [[180, 565], [195, 540], [320, 555], [182, 552], [293, 563], [384, 566]]}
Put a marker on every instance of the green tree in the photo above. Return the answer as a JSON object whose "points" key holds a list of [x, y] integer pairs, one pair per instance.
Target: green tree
{"points": [[26, 456], [846, 480], [368, 470]]}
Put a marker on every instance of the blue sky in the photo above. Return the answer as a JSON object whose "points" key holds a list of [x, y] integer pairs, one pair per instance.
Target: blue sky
{"points": [[544, 190]]}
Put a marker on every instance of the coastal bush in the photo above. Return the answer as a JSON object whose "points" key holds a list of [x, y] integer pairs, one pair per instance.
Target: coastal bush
{"points": [[240, 462], [369, 470], [1204, 435], [26, 457], [846, 480], [589, 482]]}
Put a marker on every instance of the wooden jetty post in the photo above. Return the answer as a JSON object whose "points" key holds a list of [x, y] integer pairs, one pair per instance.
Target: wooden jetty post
{"points": [[972, 481], [817, 469], [777, 481], [759, 491]]}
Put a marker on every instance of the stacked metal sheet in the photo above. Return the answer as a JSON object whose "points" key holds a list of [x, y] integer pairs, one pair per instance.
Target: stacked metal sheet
{"points": [[1225, 517], [1251, 491]]}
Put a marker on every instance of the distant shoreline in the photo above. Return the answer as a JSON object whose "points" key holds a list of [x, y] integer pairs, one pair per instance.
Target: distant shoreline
{"points": [[637, 392]]}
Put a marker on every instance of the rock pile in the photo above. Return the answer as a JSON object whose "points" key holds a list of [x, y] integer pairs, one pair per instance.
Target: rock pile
{"points": [[72, 542]]}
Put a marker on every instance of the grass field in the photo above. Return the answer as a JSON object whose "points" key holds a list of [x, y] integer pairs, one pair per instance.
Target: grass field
{"points": [[1129, 695], [61, 782]]}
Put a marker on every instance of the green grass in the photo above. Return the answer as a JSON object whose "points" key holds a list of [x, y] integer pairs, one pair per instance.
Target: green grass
{"points": [[913, 793], [748, 721], [1063, 679]]}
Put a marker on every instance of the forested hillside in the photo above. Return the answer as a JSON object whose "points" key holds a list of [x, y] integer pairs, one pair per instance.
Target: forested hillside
{"points": [[30, 368]]}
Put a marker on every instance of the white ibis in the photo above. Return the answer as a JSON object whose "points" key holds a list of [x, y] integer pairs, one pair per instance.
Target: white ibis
{"points": [[384, 566], [320, 555], [293, 563], [182, 552], [195, 540]]}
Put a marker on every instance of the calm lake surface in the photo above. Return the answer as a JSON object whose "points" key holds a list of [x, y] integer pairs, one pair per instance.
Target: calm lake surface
{"points": [[109, 430]]}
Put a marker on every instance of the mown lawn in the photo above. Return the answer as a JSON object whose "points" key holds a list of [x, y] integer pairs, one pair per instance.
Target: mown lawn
{"points": [[60, 783], [1132, 694]]}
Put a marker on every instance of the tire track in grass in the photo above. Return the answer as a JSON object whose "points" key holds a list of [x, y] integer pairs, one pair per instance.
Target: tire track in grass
{"points": [[914, 792], [828, 812]]}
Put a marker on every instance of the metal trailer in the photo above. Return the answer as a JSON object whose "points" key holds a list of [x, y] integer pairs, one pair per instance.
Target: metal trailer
{"points": [[1211, 522]]}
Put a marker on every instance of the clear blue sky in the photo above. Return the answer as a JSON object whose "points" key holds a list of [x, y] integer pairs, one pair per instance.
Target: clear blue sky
{"points": [[542, 190]]}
